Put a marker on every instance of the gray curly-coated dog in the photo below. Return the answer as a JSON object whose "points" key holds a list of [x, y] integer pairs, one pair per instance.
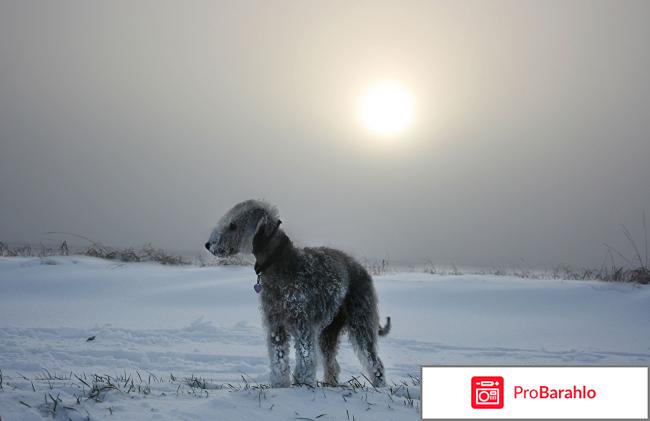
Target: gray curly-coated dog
{"points": [[310, 294]]}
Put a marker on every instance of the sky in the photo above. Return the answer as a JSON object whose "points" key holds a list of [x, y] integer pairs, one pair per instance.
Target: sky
{"points": [[143, 122]]}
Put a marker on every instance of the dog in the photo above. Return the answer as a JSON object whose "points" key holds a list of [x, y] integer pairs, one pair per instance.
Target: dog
{"points": [[308, 294]]}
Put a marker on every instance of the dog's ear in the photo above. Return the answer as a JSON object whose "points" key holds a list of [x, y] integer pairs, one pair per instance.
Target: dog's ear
{"points": [[261, 233]]}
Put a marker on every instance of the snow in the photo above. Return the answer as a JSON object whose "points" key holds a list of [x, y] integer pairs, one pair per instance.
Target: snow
{"points": [[187, 342]]}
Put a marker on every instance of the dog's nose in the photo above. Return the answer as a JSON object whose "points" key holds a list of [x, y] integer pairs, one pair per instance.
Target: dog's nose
{"points": [[207, 246]]}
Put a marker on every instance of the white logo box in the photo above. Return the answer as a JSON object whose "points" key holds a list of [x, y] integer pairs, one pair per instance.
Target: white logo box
{"points": [[620, 392]]}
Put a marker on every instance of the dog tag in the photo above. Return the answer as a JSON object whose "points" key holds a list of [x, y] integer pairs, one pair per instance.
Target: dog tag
{"points": [[257, 288]]}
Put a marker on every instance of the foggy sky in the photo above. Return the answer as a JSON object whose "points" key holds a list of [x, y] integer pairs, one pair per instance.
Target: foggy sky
{"points": [[137, 122]]}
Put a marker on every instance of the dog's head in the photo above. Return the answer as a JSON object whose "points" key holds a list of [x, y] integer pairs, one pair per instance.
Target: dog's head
{"points": [[241, 227]]}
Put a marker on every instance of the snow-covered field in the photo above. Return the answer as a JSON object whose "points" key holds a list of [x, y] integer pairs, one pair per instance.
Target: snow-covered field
{"points": [[187, 343]]}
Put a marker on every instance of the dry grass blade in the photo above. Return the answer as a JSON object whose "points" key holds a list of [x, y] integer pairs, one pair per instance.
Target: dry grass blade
{"points": [[621, 255], [645, 234], [634, 246]]}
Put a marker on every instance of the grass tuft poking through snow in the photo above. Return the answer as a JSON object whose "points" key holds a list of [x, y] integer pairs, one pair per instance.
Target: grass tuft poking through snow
{"points": [[88, 396]]}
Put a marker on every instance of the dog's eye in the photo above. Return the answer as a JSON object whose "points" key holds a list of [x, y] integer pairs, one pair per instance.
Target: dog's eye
{"points": [[232, 226]]}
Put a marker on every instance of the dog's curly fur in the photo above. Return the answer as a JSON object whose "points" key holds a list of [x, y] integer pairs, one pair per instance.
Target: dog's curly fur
{"points": [[308, 294]]}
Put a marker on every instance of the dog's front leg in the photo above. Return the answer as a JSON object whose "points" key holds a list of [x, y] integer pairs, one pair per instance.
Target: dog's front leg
{"points": [[278, 345], [305, 371]]}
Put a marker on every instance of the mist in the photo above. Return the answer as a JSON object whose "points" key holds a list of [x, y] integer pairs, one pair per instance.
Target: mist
{"points": [[133, 123]]}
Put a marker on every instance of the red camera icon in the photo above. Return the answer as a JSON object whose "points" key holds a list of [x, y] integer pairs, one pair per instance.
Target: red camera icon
{"points": [[487, 392]]}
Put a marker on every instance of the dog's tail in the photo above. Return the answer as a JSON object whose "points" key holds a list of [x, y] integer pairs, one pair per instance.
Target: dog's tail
{"points": [[383, 331]]}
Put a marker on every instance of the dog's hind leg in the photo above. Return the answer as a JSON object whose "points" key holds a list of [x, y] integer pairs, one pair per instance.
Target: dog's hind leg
{"points": [[278, 346], [364, 342], [329, 343], [363, 325]]}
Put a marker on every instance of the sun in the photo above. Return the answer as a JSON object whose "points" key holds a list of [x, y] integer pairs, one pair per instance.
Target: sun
{"points": [[386, 108]]}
